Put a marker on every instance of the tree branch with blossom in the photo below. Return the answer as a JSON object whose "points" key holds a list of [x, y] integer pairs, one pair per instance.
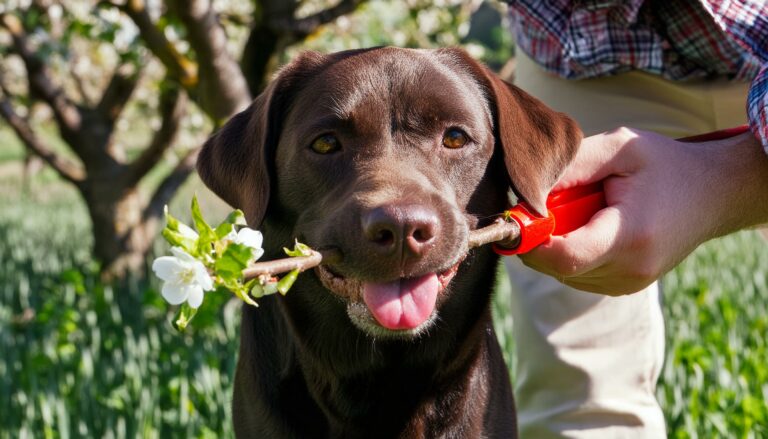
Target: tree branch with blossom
{"points": [[224, 259]]}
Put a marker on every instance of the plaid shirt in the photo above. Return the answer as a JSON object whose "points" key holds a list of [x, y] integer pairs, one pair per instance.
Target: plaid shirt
{"points": [[678, 39]]}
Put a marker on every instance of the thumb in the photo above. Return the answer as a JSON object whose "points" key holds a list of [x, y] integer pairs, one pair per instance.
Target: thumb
{"points": [[581, 251], [595, 160]]}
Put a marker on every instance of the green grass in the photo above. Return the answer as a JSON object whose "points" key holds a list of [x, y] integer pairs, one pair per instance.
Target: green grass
{"points": [[715, 381], [82, 359]]}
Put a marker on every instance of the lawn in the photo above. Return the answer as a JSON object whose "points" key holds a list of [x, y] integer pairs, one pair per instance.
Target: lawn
{"points": [[84, 359]]}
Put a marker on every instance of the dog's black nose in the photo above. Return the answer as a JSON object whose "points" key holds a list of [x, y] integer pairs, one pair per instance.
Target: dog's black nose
{"points": [[401, 230]]}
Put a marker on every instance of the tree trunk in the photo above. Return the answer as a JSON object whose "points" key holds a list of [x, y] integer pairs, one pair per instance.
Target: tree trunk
{"points": [[121, 240], [258, 56]]}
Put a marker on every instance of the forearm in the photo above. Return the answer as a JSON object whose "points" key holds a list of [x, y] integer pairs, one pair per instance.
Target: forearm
{"points": [[735, 173]]}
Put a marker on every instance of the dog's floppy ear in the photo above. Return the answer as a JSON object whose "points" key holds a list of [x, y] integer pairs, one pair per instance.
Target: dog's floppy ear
{"points": [[235, 162], [537, 142], [232, 162]]}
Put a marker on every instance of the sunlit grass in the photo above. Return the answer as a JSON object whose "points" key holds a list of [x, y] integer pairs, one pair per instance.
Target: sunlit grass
{"points": [[715, 381], [84, 359]]}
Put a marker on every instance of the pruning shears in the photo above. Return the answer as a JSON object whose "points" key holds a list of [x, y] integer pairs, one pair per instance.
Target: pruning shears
{"points": [[572, 208]]}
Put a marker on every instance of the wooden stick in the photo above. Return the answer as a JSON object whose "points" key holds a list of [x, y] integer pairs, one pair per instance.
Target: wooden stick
{"points": [[499, 231], [507, 232]]}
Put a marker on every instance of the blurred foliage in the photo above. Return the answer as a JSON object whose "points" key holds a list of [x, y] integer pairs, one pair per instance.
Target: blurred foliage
{"points": [[85, 359], [715, 380], [412, 23]]}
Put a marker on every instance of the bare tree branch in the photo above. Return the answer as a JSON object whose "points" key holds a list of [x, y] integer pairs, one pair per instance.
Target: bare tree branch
{"points": [[67, 169], [301, 263], [278, 29], [169, 185], [500, 231], [41, 85], [79, 81], [179, 67], [118, 91], [222, 89], [303, 27], [172, 107], [505, 233]]}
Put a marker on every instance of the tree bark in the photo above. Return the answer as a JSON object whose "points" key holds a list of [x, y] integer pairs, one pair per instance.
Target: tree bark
{"points": [[222, 89], [121, 240], [258, 56], [277, 29]]}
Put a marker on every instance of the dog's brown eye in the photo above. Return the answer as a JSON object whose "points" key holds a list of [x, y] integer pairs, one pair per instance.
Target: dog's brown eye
{"points": [[454, 138], [326, 144]]}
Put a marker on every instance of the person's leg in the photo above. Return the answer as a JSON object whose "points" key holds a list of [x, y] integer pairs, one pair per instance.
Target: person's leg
{"points": [[587, 364]]}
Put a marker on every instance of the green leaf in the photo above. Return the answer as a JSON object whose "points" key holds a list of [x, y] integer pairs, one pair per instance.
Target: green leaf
{"points": [[205, 230], [173, 235], [184, 315], [270, 288], [267, 288], [207, 237], [236, 287], [170, 221], [254, 288], [234, 259], [299, 249], [236, 218], [242, 293], [284, 284], [257, 291], [176, 239], [223, 230]]}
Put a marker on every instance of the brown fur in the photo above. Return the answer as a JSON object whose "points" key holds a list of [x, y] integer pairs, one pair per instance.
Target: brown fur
{"points": [[314, 363]]}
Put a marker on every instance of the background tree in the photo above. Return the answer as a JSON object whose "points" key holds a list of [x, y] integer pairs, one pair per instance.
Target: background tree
{"points": [[194, 44]]}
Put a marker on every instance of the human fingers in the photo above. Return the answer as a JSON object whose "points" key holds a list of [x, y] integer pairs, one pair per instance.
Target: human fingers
{"points": [[600, 156], [581, 251]]}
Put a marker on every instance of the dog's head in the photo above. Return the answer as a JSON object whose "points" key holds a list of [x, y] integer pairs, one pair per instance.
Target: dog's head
{"points": [[390, 156]]}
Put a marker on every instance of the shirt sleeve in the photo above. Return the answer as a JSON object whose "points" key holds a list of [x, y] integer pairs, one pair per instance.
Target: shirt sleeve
{"points": [[757, 106], [747, 22]]}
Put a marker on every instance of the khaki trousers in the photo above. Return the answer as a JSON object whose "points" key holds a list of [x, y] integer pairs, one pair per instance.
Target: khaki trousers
{"points": [[587, 364]]}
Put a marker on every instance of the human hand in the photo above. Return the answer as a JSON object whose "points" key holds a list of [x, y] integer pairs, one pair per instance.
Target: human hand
{"points": [[664, 198]]}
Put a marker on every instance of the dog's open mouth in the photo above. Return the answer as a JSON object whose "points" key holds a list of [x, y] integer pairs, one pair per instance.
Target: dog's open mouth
{"points": [[404, 306]]}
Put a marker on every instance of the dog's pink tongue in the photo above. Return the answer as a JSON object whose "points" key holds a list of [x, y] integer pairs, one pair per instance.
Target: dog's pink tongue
{"points": [[404, 303]]}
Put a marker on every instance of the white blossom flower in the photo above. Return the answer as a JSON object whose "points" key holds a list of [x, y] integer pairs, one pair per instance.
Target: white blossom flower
{"points": [[184, 277], [187, 232], [251, 238]]}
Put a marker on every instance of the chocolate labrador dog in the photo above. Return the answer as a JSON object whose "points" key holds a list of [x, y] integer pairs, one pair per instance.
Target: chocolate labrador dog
{"points": [[390, 157]]}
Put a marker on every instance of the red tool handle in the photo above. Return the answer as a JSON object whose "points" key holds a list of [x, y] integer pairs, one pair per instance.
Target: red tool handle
{"points": [[572, 208], [568, 209], [716, 135]]}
